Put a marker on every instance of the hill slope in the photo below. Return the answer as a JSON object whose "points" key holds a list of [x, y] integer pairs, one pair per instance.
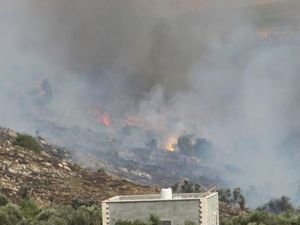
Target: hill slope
{"points": [[50, 177]]}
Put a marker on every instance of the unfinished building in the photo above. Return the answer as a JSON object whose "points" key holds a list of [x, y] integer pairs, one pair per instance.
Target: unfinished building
{"points": [[171, 209]]}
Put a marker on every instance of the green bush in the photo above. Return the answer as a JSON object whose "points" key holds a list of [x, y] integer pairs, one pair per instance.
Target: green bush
{"points": [[128, 222], [189, 222], [25, 192], [262, 218], [80, 217], [29, 209], [78, 202], [154, 220], [28, 213], [3, 217], [3, 200], [28, 142], [55, 221], [101, 170], [86, 216], [10, 215], [45, 214], [59, 215]]}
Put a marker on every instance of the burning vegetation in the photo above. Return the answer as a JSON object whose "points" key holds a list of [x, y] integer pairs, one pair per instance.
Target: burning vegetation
{"points": [[171, 144], [103, 118]]}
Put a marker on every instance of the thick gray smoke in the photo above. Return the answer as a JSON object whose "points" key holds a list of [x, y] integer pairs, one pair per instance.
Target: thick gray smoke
{"points": [[226, 71]]}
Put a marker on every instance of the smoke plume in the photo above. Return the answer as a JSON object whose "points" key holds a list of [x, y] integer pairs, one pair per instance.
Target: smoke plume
{"points": [[228, 72]]}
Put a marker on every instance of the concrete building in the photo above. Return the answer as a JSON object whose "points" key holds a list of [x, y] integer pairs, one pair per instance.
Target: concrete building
{"points": [[172, 209]]}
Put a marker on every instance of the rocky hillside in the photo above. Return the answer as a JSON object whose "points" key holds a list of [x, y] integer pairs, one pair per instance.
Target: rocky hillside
{"points": [[48, 175]]}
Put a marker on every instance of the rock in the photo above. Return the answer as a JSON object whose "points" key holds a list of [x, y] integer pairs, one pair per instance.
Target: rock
{"points": [[12, 134], [12, 171], [67, 168], [47, 164], [45, 154], [7, 163], [43, 141], [51, 175]]}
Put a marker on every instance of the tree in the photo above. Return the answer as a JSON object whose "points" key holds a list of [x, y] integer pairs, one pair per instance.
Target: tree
{"points": [[238, 198], [203, 148], [225, 195], [278, 205], [3, 200], [185, 144]]}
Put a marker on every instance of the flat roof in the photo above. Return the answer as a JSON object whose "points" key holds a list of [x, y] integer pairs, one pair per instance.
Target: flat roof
{"points": [[157, 197]]}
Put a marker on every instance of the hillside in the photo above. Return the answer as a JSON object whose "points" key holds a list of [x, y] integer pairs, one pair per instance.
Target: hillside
{"points": [[49, 176]]}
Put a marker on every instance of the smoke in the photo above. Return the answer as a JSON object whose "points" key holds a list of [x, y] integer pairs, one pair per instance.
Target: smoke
{"points": [[228, 72]]}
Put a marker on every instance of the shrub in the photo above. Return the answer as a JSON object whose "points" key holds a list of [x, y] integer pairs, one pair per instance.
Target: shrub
{"points": [[45, 214], [81, 217], [28, 142], [189, 222], [154, 220], [3, 217], [10, 215], [86, 216], [56, 221], [101, 170], [29, 208], [3, 200], [77, 202], [123, 222], [25, 192], [278, 206], [95, 214]]}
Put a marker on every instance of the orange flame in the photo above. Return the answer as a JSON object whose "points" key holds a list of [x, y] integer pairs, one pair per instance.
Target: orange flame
{"points": [[103, 118], [171, 144]]}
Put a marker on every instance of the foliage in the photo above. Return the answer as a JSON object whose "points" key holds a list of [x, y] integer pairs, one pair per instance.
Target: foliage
{"points": [[263, 218], [201, 147], [234, 198], [86, 216], [278, 205], [189, 222], [77, 202], [29, 208], [129, 222], [28, 213], [101, 170], [185, 144], [225, 195], [187, 187], [28, 142], [10, 214], [153, 220], [25, 192], [238, 198], [3, 200]]}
